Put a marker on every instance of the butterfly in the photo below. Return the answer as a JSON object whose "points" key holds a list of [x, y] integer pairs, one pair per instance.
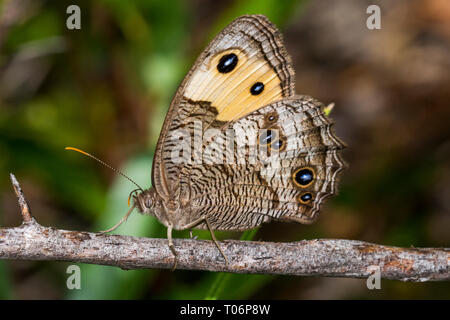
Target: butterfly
{"points": [[238, 147]]}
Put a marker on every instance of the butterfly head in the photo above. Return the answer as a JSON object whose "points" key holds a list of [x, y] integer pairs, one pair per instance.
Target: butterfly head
{"points": [[149, 202]]}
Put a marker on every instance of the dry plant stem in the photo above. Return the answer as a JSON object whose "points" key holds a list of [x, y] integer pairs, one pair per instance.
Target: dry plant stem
{"points": [[24, 209], [323, 257]]}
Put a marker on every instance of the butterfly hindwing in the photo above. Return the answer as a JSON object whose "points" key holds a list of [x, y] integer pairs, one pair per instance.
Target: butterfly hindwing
{"points": [[288, 182]]}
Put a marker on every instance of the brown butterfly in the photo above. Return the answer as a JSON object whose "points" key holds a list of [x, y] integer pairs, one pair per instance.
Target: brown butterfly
{"points": [[238, 147]]}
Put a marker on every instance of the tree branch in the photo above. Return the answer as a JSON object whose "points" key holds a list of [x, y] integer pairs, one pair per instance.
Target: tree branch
{"points": [[323, 257]]}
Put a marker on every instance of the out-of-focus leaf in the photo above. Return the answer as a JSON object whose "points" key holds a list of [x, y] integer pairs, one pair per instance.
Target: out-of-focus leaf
{"points": [[5, 283], [277, 11]]}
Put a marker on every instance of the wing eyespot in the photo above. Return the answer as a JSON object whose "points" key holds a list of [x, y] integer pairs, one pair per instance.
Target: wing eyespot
{"points": [[303, 177], [279, 144], [305, 198], [257, 88], [227, 63], [268, 136], [271, 117]]}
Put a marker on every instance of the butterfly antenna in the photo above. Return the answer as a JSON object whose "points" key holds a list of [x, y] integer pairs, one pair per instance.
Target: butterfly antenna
{"points": [[106, 165]]}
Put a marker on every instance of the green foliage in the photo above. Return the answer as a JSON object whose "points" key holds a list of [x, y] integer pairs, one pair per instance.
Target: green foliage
{"points": [[5, 283]]}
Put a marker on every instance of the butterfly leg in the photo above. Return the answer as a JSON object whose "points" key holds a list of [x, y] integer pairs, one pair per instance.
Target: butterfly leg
{"points": [[171, 247], [191, 235], [201, 220], [213, 236]]}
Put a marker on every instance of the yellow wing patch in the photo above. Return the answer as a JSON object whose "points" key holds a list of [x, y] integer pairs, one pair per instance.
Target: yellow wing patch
{"points": [[230, 93]]}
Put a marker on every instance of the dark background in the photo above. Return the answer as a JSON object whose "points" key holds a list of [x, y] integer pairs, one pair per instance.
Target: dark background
{"points": [[106, 89]]}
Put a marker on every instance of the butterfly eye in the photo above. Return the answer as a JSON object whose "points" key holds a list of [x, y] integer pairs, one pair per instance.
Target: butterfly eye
{"points": [[148, 203], [227, 63], [305, 198], [303, 177], [257, 88], [267, 136]]}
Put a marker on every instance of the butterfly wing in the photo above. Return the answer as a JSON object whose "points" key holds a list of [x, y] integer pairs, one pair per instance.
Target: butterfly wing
{"points": [[208, 157], [245, 67], [294, 172]]}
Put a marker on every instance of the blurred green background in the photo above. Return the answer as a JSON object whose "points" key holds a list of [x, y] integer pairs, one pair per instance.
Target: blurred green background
{"points": [[106, 89]]}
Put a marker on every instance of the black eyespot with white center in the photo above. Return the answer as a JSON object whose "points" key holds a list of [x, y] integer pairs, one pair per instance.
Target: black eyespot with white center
{"points": [[278, 145], [257, 88], [267, 136], [271, 118], [227, 63], [305, 197], [303, 177]]}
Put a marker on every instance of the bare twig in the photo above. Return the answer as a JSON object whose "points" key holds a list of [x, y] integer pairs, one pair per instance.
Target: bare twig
{"points": [[323, 257], [24, 209]]}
